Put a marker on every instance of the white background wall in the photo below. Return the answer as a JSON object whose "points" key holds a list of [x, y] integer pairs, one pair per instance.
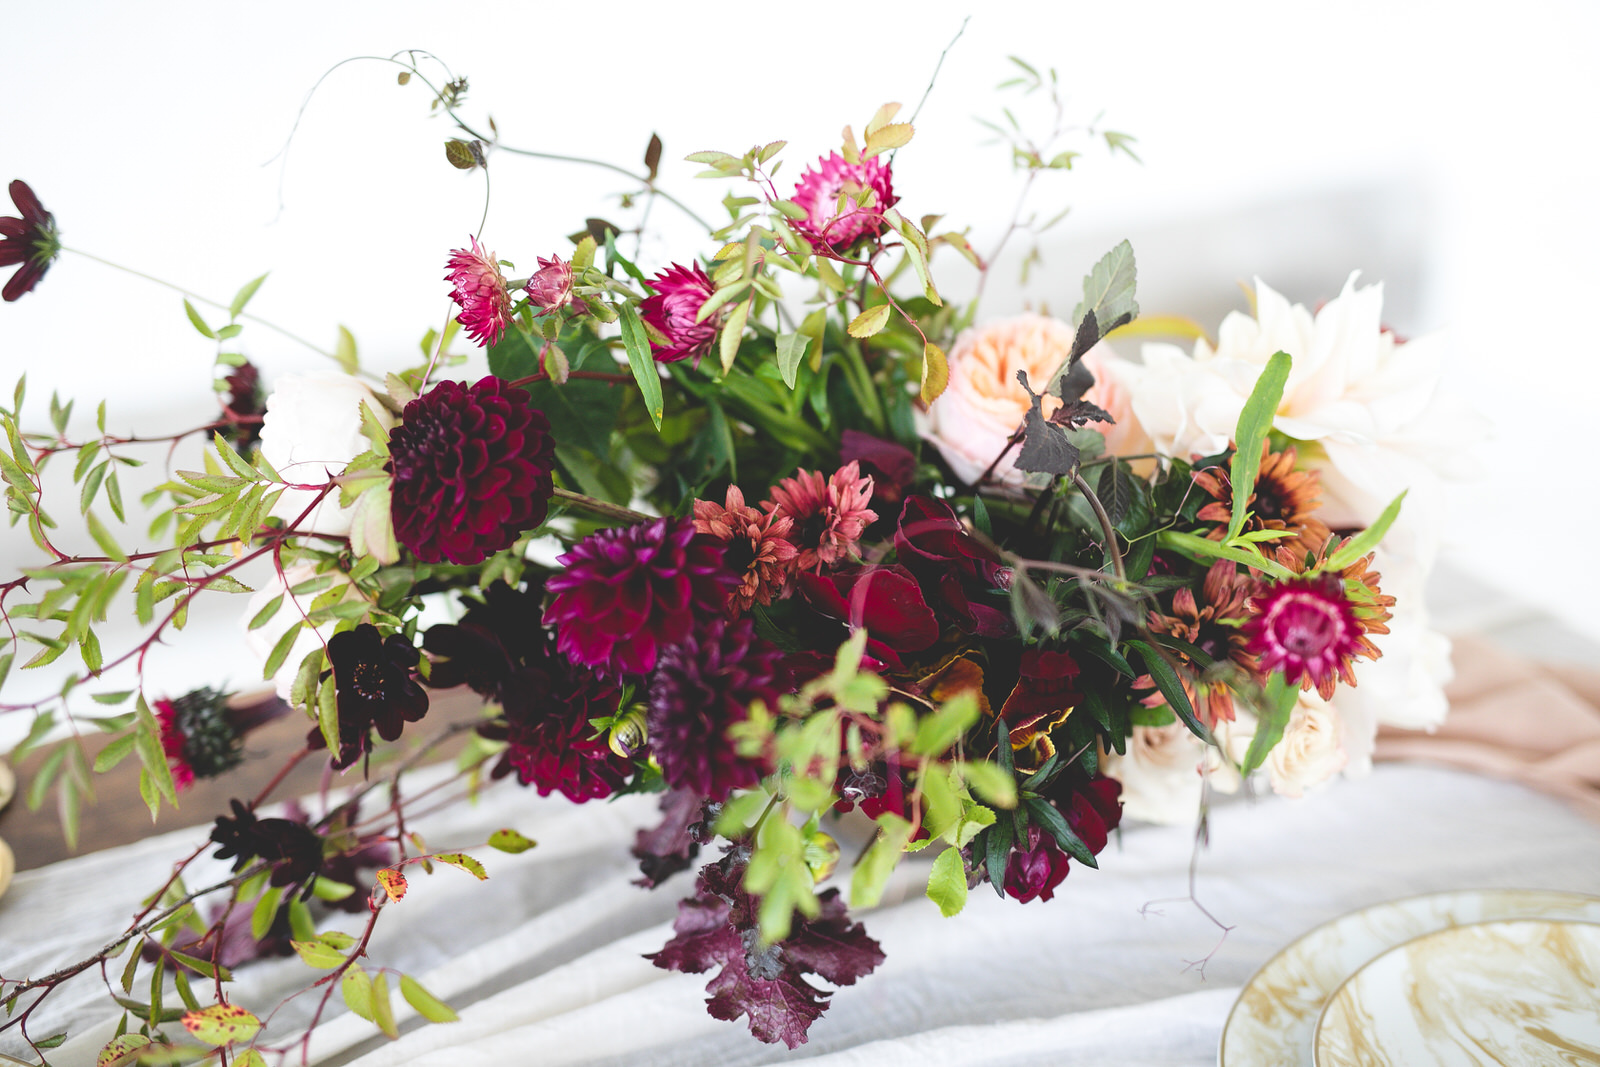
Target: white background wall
{"points": [[1445, 148]]}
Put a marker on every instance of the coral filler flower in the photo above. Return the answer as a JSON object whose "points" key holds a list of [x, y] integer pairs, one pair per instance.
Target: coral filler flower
{"points": [[679, 293], [699, 689], [758, 551], [829, 516], [840, 224], [31, 241], [1311, 630], [481, 291], [629, 592], [471, 467]]}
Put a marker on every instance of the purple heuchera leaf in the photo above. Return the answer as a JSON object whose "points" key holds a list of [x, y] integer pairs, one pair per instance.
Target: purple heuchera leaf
{"points": [[670, 847], [765, 983]]}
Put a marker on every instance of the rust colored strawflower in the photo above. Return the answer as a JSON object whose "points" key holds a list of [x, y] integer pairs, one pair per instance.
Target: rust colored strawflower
{"points": [[1284, 499], [828, 515], [1314, 628], [759, 551], [31, 241], [480, 290], [1211, 624]]}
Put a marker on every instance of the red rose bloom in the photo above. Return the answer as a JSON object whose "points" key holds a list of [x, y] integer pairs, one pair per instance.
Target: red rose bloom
{"points": [[471, 466]]}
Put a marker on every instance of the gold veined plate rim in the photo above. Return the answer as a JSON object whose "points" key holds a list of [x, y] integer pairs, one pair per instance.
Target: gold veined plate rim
{"points": [[1456, 898], [1366, 968]]}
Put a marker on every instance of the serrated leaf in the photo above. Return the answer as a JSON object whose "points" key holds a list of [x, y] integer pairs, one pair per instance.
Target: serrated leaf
{"points": [[280, 650], [871, 874], [870, 321], [318, 954], [114, 753], [394, 883], [122, 1051], [428, 1006], [222, 1024], [947, 883], [510, 841], [268, 610], [637, 343], [885, 138], [382, 1010], [265, 911], [1108, 294], [994, 783], [328, 713], [935, 372], [464, 862]]}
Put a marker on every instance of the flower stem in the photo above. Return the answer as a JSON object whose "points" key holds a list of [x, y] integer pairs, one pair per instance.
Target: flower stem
{"points": [[201, 299], [1109, 530], [603, 508]]}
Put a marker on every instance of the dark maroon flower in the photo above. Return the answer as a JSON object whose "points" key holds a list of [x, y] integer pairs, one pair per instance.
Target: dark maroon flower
{"points": [[373, 677], [959, 573], [202, 735], [1093, 808], [671, 311], [1035, 871], [471, 466], [837, 213], [765, 983], [892, 466], [495, 636], [293, 849], [671, 845], [629, 592], [245, 408], [886, 600], [549, 708], [701, 687], [31, 241], [1045, 693]]}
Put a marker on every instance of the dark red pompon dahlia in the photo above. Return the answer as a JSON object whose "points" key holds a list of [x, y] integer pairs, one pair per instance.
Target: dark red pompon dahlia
{"points": [[31, 241], [471, 467], [629, 592]]}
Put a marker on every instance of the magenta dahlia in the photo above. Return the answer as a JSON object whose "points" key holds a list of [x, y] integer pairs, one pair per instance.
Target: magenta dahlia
{"points": [[471, 466], [628, 593], [831, 196], [480, 290], [31, 241], [1311, 631], [700, 688], [679, 293]]}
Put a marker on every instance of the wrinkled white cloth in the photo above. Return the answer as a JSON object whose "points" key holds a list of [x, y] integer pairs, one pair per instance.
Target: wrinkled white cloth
{"points": [[544, 960]]}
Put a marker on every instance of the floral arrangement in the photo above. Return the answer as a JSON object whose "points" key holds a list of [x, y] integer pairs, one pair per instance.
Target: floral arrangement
{"points": [[770, 530]]}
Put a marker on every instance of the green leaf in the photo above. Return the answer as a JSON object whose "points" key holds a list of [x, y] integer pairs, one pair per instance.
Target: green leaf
{"points": [[114, 496], [43, 723], [199, 966], [280, 651], [937, 732], [637, 343], [997, 849], [791, 349], [222, 1024], [318, 953], [1048, 816], [114, 753], [1251, 434], [1196, 547], [869, 322], [268, 610], [947, 883], [242, 297], [328, 713], [1366, 540], [199, 323], [935, 372], [510, 841], [1280, 697], [996, 784], [265, 911], [463, 862], [249, 1058], [382, 1010], [344, 352], [871, 874], [732, 332], [1171, 688], [428, 1006], [53, 1041], [356, 988], [1108, 291]]}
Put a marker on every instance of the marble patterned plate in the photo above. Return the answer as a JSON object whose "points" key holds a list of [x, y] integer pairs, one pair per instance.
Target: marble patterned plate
{"points": [[1525, 991], [1273, 1023]]}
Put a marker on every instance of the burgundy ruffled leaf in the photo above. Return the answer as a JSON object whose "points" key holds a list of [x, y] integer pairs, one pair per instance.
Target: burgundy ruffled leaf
{"points": [[670, 846]]}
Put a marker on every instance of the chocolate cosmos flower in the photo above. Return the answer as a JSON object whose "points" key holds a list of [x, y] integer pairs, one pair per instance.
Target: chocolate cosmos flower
{"points": [[373, 678], [292, 848], [31, 241]]}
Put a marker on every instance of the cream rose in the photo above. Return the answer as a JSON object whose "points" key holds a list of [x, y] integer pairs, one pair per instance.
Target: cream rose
{"points": [[1161, 773], [311, 431], [984, 403], [1310, 752]]}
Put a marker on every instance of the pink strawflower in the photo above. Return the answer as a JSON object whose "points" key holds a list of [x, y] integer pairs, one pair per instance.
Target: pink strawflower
{"points": [[818, 195], [828, 516], [550, 287], [758, 551], [480, 289], [679, 293], [1308, 629]]}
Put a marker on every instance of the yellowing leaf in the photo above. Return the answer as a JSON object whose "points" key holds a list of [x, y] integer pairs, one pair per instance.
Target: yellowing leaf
{"points": [[393, 882], [121, 1051], [464, 862], [510, 841], [222, 1024], [935, 372], [869, 321], [884, 138]]}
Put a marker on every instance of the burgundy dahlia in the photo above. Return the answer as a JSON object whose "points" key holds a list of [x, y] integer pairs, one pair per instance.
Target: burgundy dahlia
{"points": [[245, 409], [699, 689], [679, 293], [837, 213], [480, 290], [552, 742], [31, 241], [628, 593], [471, 466]]}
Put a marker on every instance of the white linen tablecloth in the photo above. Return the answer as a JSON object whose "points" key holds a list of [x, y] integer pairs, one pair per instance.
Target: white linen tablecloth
{"points": [[543, 961]]}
